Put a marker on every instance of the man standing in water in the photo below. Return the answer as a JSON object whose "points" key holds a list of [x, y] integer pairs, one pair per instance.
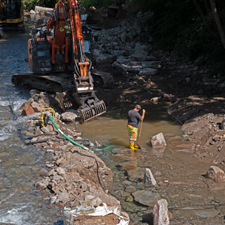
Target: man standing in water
{"points": [[133, 119]]}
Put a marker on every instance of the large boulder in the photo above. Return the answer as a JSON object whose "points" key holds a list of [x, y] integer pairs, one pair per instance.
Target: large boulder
{"points": [[147, 198], [68, 117], [216, 174], [158, 141], [160, 212]]}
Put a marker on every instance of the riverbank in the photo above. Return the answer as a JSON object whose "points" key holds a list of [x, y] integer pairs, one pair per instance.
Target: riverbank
{"points": [[74, 177]]}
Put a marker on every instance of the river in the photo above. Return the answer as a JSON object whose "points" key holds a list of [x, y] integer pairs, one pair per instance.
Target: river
{"points": [[20, 202]]}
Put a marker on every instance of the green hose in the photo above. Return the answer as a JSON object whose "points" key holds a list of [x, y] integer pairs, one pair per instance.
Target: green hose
{"points": [[73, 142]]}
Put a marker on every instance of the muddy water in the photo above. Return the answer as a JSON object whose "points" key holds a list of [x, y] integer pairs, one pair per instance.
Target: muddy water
{"points": [[20, 203], [110, 128]]}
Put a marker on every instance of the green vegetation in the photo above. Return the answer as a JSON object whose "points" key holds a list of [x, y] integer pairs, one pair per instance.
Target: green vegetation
{"points": [[96, 3], [189, 28], [30, 4]]}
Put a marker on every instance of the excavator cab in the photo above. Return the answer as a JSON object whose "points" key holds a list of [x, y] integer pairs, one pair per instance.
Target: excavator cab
{"points": [[11, 14]]}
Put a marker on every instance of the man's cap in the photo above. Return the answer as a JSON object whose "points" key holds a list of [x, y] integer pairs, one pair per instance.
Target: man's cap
{"points": [[137, 106]]}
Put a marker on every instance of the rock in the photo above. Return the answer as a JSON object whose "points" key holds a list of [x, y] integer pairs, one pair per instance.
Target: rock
{"points": [[37, 107], [129, 199], [40, 186], [155, 100], [53, 199], [130, 189], [160, 212], [148, 71], [68, 117], [135, 175], [60, 171], [27, 111], [92, 200], [105, 59], [149, 178], [206, 213], [63, 197], [32, 11], [88, 162], [146, 197], [43, 172], [158, 141], [216, 174], [45, 130]]}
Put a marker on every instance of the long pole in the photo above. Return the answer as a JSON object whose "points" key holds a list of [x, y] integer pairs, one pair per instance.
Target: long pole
{"points": [[139, 134]]}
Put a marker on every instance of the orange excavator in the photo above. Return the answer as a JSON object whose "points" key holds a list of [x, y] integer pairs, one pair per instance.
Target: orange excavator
{"points": [[58, 61]]}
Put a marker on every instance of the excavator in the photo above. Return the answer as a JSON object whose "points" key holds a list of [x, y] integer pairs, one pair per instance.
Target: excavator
{"points": [[58, 61], [11, 14]]}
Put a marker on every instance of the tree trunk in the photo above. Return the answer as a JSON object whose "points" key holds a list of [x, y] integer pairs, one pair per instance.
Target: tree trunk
{"points": [[218, 22]]}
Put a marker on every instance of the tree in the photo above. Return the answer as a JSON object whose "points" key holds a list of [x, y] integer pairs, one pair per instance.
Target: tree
{"points": [[218, 22]]}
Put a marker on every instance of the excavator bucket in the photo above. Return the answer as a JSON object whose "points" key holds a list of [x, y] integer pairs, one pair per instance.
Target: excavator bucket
{"points": [[95, 109]]}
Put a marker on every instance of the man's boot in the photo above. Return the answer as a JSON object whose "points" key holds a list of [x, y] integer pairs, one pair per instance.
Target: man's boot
{"points": [[132, 146]]}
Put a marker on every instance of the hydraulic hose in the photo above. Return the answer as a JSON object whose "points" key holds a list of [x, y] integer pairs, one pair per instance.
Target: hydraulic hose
{"points": [[73, 142], [34, 142]]}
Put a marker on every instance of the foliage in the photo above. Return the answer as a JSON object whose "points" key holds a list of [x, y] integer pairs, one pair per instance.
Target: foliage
{"points": [[179, 26], [96, 3], [30, 4]]}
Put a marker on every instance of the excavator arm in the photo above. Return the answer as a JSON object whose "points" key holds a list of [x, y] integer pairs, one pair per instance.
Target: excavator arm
{"points": [[56, 55]]}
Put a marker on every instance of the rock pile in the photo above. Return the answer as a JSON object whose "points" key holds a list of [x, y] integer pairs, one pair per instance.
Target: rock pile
{"points": [[73, 177]]}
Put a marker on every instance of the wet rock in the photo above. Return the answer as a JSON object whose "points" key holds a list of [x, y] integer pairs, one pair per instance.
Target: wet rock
{"points": [[129, 199], [43, 172], [149, 178], [206, 213], [158, 141], [68, 117], [130, 189], [146, 197], [136, 175], [160, 212], [216, 174]]}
